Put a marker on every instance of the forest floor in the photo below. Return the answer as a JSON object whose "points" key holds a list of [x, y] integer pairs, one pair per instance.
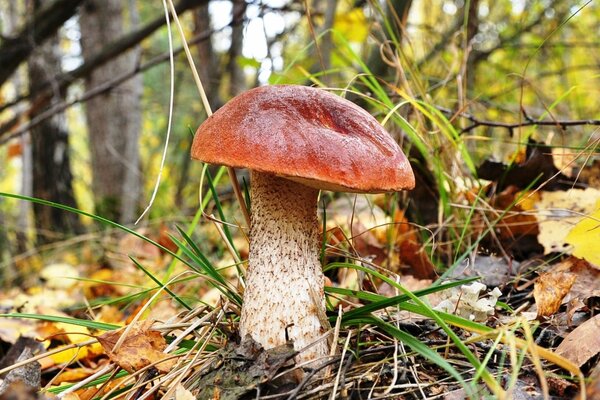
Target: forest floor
{"points": [[514, 316]]}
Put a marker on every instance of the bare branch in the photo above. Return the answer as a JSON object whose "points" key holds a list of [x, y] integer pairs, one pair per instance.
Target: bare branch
{"points": [[41, 26], [5, 130], [108, 52], [510, 126]]}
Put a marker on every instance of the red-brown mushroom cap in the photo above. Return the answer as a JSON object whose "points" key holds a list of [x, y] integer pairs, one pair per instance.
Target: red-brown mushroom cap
{"points": [[307, 135]]}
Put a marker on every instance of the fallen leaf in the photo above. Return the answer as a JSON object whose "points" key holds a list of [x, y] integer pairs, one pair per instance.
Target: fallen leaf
{"points": [[561, 386], [557, 214], [585, 236], [593, 388], [182, 393], [582, 343], [73, 375], [59, 275], [67, 334], [590, 174], [367, 245], [14, 149], [142, 347], [99, 284], [587, 283], [550, 289]]}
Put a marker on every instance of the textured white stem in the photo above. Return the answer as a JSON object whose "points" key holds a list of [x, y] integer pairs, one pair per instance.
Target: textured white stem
{"points": [[283, 267]]}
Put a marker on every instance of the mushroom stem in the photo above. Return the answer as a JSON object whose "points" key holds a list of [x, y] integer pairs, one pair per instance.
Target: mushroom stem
{"points": [[284, 283]]}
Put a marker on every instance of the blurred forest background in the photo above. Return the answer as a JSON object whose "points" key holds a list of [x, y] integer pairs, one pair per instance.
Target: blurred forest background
{"points": [[84, 92]]}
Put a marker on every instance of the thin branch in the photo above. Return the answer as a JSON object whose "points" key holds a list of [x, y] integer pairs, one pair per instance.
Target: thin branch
{"points": [[108, 52], [5, 130], [36, 30], [528, 121]]}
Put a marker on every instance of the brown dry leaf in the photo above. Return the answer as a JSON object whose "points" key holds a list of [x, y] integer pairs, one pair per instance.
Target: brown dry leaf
{"points": [[583, 343], [586, 285], [588, 280], [590, 174], [67, 334], [14, 149], [514, 224], [550, 289], [141, 347], [99, 284], [414, 255]]}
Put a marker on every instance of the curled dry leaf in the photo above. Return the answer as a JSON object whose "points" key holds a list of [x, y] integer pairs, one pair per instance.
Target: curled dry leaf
{"points": [[550, 289], [582, 343], [141, 347], [587, 282]]}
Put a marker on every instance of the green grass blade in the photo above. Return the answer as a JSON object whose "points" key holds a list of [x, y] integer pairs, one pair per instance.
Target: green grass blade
{"points": [[385, 302], [66, 320], [151, 276], [423, 350], [206, 269]]}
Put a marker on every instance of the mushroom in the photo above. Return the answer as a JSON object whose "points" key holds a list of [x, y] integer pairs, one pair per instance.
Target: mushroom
{"points": [[296, 141]]}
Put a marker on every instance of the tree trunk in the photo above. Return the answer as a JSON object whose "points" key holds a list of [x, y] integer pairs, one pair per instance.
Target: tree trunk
{"points": [[15, 11], [208, 65], [471, 63], [113, 119], [52, 178], [236, 73]]}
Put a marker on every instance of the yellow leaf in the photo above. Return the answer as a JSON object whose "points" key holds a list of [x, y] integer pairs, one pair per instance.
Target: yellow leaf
{"points": [[352, 25], [585, 236], [558, 212]]}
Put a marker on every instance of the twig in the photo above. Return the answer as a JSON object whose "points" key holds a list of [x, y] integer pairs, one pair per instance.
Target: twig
{"points": [[529, 121], [339, 373], [96, 91]]}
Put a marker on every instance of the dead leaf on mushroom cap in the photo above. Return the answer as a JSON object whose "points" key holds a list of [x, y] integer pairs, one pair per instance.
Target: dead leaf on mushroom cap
{"points": [[141, 347]]}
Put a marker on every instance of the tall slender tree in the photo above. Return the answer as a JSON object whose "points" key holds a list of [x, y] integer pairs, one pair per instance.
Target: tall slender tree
{"points": [[113, 119], [52, 177]]}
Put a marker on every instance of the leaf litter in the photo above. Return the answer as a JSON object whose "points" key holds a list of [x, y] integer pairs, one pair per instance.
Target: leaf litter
{"points": [[567, 293]]}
